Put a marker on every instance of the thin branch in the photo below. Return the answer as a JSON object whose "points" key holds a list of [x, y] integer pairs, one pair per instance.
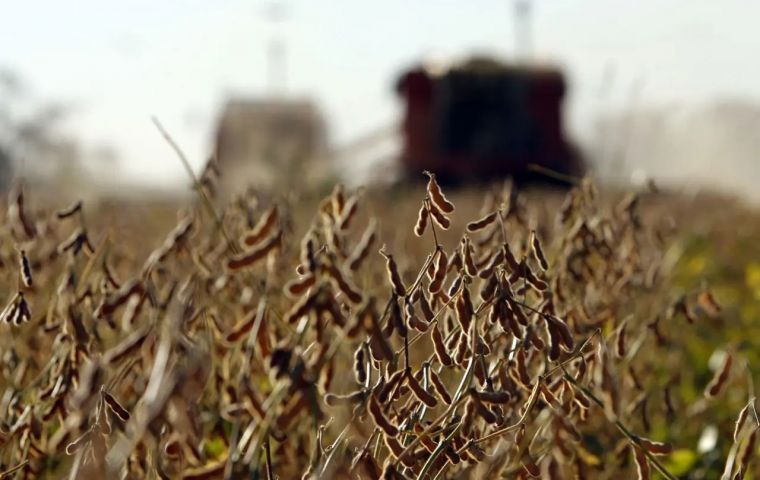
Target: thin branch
{"points": [[196, 184]]}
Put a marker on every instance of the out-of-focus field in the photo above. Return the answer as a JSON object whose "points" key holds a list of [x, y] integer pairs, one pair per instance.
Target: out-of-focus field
{"points": [[148, 355]]}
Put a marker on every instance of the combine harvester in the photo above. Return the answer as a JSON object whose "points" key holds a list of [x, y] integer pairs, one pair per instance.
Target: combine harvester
{"points": [[483, 119]]}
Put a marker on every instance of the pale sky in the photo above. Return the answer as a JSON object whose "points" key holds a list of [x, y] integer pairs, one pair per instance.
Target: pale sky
{"points": [[118, 63]]}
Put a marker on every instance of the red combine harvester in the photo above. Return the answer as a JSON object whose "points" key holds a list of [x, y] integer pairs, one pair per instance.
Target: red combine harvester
{"points": [[483, 120]]}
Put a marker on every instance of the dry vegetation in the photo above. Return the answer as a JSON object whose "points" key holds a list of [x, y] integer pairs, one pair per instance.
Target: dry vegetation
{"points": [[269, 339]]}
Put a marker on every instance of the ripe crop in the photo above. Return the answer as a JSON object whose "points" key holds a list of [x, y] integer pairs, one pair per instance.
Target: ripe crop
{"points": [[257, 339]]}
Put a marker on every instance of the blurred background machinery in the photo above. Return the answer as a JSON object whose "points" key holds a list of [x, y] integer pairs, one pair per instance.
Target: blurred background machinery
{"points": [[484, 119]]}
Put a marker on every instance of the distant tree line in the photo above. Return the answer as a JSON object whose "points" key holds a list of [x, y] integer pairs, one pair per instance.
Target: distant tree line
{"points": [[30, 141]]}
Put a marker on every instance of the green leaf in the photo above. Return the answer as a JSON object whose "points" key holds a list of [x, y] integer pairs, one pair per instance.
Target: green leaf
{"points": [[681, 461]]}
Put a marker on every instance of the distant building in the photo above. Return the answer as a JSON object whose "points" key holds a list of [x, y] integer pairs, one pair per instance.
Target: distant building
{"points": [[270, 143]]}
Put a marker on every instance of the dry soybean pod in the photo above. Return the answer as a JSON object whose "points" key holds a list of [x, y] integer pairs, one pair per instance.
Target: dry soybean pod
{"points": [[439, 274], [360, 365], [250, 258], [70, 210], [115, 406], [25, 268], [642, 464], [393, 275], [439, 347], [482, 223], [436, 195], [362, 249], [351, 398], [538, 252], [720, 378], [262, 227], [439, 387], [422, 220], [348, 214], [439, 218], [298, 286], [422, 395], [742, 418], [376, 412]]}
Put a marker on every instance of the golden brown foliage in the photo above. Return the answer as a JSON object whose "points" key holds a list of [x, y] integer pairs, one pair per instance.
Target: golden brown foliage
{"points": [[301, 352]]}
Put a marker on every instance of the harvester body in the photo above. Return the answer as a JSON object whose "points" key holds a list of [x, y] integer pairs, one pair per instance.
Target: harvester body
{"points": [[483, 120]]}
